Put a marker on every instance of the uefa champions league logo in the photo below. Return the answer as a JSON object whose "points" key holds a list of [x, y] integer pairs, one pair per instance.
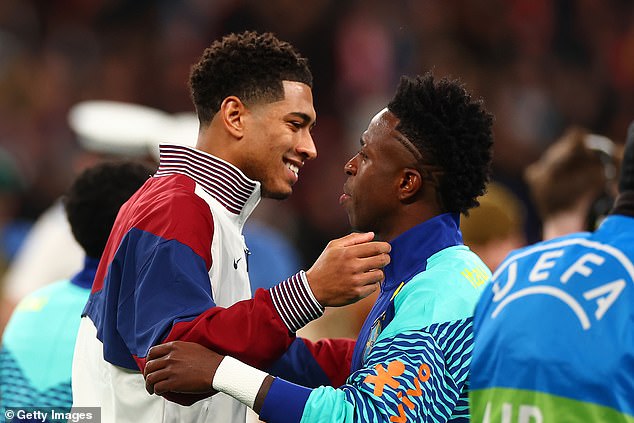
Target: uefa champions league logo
{"points": [[579, 283]]}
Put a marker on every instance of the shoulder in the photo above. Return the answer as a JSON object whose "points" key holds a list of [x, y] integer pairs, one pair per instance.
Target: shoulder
{"points": [[167, 202], [166, 208], [163, 193], [446, 291], [454, 273]]}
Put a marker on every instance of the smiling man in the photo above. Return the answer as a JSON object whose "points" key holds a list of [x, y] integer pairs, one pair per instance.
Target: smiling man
{"points": [[423, 161], [175, 264]]}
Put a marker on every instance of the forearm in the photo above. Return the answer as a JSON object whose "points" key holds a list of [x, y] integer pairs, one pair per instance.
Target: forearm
{"points": [[251, 330], [256, 331], [259, 390], [164, 293], [242, 382]]}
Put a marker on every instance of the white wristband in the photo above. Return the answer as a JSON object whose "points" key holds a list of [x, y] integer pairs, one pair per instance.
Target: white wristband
{"points": [[238, 380]]}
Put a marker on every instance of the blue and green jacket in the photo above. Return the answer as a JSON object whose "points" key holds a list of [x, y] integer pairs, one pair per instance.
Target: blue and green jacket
{"points": [[411, 359], [37, 346]]}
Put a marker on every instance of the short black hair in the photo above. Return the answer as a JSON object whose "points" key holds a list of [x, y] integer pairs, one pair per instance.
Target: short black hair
{"points": [[250, 66], [95, 197], [451, 131]]}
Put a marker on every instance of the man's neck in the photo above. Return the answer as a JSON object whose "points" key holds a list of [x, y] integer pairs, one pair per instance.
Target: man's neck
{"points": [[563, 223]]}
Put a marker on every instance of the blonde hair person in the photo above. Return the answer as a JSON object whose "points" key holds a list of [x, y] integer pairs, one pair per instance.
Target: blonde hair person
{"points": [[496, 227]]}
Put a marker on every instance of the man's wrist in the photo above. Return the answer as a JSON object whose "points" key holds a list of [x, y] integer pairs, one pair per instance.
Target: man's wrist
{"points": [[239, 380], [295, 302], [309, 290]]}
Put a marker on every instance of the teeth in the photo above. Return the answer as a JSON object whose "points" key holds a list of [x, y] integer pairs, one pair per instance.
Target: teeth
{"points": [[293, 168]]}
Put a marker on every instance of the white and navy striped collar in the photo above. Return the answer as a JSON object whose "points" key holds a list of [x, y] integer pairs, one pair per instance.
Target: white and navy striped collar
{"points": [[220, 179]]}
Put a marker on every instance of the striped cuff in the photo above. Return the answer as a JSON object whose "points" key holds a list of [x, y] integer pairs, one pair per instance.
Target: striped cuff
{"points": [[295, 302]]}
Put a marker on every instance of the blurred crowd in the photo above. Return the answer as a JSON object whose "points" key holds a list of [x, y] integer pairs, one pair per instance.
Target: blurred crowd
{"points": [[540, 65]]}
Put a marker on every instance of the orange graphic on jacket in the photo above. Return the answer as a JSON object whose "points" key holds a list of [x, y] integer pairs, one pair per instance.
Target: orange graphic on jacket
{"points": [[387, 377]]}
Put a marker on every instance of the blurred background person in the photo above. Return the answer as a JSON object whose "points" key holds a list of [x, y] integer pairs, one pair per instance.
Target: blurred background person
{"points": [[48, 252], [573, 184], [553, 330], [496, 226], [37, 346]]}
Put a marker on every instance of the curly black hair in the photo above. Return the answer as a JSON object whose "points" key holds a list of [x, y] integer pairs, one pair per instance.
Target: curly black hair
{"points": [[95, 197], [250, 66], [452, 131]]}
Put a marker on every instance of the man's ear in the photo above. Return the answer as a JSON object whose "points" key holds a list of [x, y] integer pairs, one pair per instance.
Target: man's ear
{"points": [[232, 112], [410, 185]]}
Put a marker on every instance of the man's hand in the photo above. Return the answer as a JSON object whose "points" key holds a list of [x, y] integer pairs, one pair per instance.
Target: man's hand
{"points": [[348, 269], [182, 367]]}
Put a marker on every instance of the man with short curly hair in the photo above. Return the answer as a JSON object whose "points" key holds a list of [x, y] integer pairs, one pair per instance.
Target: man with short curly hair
{"points": [[250, 66], [423, 161], [175, 267]]}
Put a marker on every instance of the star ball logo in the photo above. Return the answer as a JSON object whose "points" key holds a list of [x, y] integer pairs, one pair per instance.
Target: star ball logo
{"points": [[586, 276]]}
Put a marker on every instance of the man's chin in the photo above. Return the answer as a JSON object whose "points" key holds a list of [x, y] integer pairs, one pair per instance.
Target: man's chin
{"points": [[276, 195]]}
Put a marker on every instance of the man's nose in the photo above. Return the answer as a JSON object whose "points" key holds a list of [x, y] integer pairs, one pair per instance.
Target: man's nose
{"points": [[349, 168], [307, 147]]}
